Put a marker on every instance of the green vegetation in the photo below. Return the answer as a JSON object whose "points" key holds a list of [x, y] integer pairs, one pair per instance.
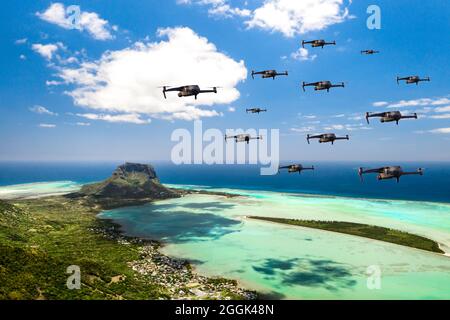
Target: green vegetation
{"points": [[39, 239], [366, 231]]}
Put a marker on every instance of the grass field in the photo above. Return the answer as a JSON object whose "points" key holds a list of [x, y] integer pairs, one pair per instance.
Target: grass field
{"points": [[362, 230]]}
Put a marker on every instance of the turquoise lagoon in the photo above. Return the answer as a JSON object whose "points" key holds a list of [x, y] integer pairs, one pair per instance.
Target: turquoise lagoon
{"points": [[287, 262]]}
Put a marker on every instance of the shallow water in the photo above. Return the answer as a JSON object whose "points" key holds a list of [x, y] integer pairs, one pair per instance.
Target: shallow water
{"points": [[38, 189], [298, 263]]}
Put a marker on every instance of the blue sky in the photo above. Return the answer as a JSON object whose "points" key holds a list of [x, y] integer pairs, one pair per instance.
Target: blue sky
{"points": [[53, 108]]}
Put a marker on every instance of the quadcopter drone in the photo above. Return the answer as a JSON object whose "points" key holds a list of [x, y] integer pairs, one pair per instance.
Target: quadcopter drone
{"points": [[187, 91], [318, 43], [385, 173], [390, 116], [269, 74], [256, 110], [412, 79], [296, 168], [322, 85], [370, 51], [327, 137], [242, 138]]}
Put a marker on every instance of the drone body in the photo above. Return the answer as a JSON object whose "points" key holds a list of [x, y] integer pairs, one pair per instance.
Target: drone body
{"points": [[318, 43], [256, 110], [188, 91], [322, 85], [369, 52], [269, 74], [326, 138], [390, 116], [392, 172], [412, 79], [293, 168], [242, 138]]}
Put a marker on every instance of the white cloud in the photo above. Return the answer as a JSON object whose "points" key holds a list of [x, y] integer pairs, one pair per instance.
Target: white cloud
{"points": [[128, 80], [231, 109], [442, 109], [83, 124], [46, 50], [22, 57], [298, 17], [420, 102], [97, 27], [42, 110], [339, 116], [219, 8], [302, 54], [303, 129], [117, 118], [347, 127], [380, 104], [47, 125], [290, 17], [440, 131], [441, 116], [21, 41]]}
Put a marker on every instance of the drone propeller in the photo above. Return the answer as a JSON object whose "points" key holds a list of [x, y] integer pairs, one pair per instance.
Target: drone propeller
{"points": [[164, 91], [360, 173]]}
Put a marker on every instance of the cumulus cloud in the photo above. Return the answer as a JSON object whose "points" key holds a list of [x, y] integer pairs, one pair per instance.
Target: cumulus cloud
{"points": [[302, 54], [42, 110], [45, 50], [128, 81], [116, 118], [73, 18], [286, 16], [441, 116]]}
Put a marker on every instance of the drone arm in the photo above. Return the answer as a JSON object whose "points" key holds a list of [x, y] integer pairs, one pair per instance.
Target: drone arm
{"points": [[413, 116], [419, 172]]}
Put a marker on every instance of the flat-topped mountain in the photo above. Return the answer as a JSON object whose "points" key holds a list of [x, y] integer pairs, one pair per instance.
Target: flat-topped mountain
{"points": [[130, 184]]}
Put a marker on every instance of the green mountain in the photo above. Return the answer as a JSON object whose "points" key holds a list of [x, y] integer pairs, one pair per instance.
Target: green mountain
{"points": [[130, 184]]}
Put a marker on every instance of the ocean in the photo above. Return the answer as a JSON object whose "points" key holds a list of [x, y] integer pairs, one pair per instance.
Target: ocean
{"points": [[329, 178]]}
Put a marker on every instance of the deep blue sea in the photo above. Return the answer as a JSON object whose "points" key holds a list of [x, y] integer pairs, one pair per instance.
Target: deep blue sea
{"points": [[329, 178]]}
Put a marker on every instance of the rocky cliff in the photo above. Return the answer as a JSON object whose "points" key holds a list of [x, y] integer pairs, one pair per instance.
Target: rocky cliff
{"points": [[130, 184]]}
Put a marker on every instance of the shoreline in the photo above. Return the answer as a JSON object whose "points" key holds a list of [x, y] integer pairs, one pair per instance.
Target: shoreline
{"points": [[206, 189]]}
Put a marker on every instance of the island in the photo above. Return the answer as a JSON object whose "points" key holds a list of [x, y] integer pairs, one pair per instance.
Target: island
{"points": [[40, 239], [363, 230]]}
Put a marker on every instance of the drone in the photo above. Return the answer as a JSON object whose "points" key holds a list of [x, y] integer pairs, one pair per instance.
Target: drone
{"points": [[370, 51], [412, 79], [242, 138], [269, 74], [293, 168], [256, 110], [390, 116], [322, 85], [385, 173], [327, 137], [318, 43], [186, 91]]}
